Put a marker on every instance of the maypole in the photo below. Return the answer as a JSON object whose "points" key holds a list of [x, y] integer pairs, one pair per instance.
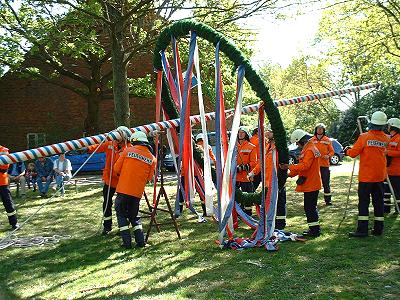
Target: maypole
{"points": [[58, 148]]}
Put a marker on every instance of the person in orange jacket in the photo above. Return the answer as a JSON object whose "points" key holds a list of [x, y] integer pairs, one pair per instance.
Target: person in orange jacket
{"points": [[309, 181], [5, 193], [255, 142], [110, 179], [371, 147], [325, 148], [200, 144], [246, 161], [280, 218], [393, 163], [135, 168]]}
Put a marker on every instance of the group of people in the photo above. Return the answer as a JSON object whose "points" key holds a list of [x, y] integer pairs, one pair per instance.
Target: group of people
{"points": [[130, 164], [379, 154], [40, 173], [314, 161]]}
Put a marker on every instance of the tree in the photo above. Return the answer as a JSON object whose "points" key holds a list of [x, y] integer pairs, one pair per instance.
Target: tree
{"points": [[61, 33], [386, 99], [361, 38], [305, 75]]}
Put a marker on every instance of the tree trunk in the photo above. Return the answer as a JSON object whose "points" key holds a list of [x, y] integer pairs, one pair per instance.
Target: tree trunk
{"points": [[92, 119], [120, 88], [120, 82]]}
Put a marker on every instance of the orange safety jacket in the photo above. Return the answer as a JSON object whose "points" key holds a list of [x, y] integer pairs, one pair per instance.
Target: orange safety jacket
{"points": [[393, 152], [324, 146], [246, 155], [308, 167], [135, 168], [255, 142], [200, 144], [3, 168], [113, 151], [269, 147], [371, 147]]}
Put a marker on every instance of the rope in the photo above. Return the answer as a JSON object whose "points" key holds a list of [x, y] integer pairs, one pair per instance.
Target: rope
{"points": [[25, 242]]}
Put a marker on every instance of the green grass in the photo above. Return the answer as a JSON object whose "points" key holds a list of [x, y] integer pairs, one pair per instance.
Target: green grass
{"points": [[90, 266]]}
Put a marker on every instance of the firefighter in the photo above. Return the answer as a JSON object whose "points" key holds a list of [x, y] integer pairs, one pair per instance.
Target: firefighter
{"points": [[324, 146], [5, 193], [309, 180], [280, 219], [246, 161], [110, 179], [393, 162], [135, 168], [255, 142], [200, 144], [371, 146]]}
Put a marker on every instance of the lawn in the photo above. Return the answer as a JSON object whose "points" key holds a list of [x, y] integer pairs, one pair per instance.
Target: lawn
{"points": [[87, 265]]}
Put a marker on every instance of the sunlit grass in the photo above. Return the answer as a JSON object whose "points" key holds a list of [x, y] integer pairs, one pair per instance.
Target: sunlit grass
{"points": [[90, 266]]}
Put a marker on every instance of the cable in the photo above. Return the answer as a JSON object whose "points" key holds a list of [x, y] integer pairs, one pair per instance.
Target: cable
{"points": [[25, 242]]}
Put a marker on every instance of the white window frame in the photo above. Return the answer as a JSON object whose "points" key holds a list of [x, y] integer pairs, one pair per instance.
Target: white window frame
{"points": [[35, 139]]}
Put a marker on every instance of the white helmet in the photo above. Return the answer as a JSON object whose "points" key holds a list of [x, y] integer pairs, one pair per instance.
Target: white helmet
{"points": [[245, 129], [322, 125], [124, 132], [378, 118], [297, 135], [394, 122], [139, 136], [200, 136]]}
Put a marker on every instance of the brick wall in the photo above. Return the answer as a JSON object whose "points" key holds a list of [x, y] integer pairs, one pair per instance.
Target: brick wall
{"points": [[35, 106]]}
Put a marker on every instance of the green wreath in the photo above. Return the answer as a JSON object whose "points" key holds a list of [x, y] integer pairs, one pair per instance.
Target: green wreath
{"points": [[181, 29]]}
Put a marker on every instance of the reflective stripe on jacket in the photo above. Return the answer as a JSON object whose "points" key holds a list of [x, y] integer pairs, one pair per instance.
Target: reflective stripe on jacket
{"points": [[324, 146], [393, 152], [371, 147], [246, 155], [3, 168], [135, 167], [307, 167]]}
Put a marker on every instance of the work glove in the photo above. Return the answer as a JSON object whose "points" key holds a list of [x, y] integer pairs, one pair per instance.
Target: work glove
{"points": [[345, 150], [250, 176]]}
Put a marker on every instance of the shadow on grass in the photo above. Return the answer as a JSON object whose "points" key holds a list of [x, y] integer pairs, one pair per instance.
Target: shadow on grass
{"points": [[331, 266]]}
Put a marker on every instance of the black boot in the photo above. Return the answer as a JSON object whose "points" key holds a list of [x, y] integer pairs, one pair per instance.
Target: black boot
{"points": [[358, 234], [203, 206], [126, 239], [362, 229], [378, 228], [139, 238]]}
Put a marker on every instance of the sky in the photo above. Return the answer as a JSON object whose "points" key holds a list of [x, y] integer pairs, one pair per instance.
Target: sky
{"points": [[279, 41]]}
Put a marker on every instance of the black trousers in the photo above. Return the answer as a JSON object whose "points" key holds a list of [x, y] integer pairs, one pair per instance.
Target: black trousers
{"points": [[280, 219], [8, 204], [395, 181], [310, 208], [107, 207], [256, 180], [366, 191], [326, 178], [127, 210]]}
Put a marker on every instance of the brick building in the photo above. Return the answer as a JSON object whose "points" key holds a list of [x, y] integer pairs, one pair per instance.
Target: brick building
{"points": [[36, 113]]}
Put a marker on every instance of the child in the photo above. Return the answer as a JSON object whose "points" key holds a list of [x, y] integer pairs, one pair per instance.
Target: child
{"points": [[31, 175]]}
